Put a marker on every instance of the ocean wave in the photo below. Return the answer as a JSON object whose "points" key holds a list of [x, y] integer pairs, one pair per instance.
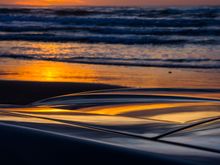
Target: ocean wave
{"points": [[174, 12], [107, 39], [112, 25], [191, 63], [15, 11], [114, 22], [141, 12], [116, 30], [202, 12], [78, 12]]}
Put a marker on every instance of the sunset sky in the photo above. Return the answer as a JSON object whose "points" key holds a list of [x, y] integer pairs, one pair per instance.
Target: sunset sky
{"points": [[111, 2]]}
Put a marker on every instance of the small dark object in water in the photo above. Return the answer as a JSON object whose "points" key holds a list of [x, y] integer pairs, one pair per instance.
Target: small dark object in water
{"points": [[170, 72]]}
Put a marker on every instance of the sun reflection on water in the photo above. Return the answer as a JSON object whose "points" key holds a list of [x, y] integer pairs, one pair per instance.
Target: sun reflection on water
{"points": [[49, 71]]}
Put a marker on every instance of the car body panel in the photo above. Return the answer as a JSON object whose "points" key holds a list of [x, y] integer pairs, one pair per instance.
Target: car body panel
{"points": [[134, 119], [205, 135]]}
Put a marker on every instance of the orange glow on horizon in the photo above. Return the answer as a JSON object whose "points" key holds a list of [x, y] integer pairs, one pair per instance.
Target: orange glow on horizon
{"points": [[48, 2]]}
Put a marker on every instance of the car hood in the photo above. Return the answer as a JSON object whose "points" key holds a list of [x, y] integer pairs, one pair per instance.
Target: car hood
{"points": [[136, 112]]}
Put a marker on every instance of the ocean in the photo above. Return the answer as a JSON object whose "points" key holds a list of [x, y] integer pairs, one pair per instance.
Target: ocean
{"points": [[175, 37]]}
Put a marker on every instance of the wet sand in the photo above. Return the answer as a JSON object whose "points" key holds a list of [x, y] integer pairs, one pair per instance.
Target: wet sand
{"points": [[25, 81], [138, 77]]}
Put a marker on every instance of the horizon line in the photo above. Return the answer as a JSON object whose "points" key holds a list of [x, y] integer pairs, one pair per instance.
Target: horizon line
{"points": [[143, 6], [80, 5]]}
